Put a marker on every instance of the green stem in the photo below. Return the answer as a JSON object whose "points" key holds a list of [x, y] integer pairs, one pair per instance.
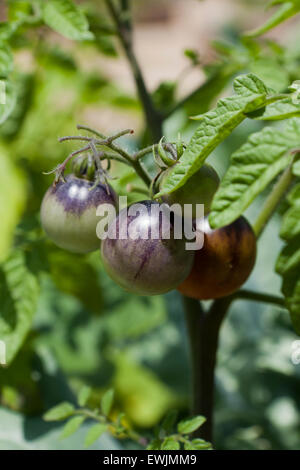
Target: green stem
{"points": [[108, 141], [112, 156], [152, 116], [103, 419], [141, 153], [259, 297], [273, 200], [141, 172], [203, 329]]}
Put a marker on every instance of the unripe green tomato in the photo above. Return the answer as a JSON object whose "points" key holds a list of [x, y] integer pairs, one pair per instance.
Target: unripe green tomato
{"points": [[68, 213], [145, 266], [224, 262], [199, 189]]}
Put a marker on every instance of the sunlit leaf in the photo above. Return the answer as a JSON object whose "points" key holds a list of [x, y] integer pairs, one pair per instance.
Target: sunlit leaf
{"points": [[66, 18], [190, 425], [252, 168], [83, 395], [94, 433], [107, 402], [281, 109], [170, 443], [214, 127], [6, 60], [271, 72], [286, 10], [7, 99], [19, 291], [12, 200], [59, 412], [288, 262]]}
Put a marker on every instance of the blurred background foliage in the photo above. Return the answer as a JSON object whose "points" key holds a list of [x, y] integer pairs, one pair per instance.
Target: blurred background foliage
{"points": [[86, 330]]}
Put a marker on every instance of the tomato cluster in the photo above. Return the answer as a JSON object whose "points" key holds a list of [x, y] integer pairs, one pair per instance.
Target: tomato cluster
{"points": [[143, 264]]}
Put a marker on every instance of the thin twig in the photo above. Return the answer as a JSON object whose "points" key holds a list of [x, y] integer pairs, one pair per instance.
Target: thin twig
{"points": [[259, 297]]}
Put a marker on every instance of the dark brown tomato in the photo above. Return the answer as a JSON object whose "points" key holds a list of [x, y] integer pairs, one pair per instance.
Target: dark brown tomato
{"points": [[224, 262]]}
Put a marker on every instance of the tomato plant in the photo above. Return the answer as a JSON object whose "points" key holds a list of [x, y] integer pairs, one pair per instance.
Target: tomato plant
{"points": [[85, 333]]}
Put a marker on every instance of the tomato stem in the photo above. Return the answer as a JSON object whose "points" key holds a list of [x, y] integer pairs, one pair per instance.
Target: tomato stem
{"points": [[153, 117], [203, 330], [259, 297]]}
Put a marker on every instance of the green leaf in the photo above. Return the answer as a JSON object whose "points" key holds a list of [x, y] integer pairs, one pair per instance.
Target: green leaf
{"points": [[193, 55], [19, 292], [201, 100], [76, 277], [84, 395], [291, 290], [65, 17], [296, 168], [6, 30], [24, 87], [169, 443], [271, 72], [72, 426], [252, 168], [164, 95], [190, 425], [215, 126], [106, 45], [107, 401], [281, 109], [288, 262], [6, 60], [44, 436], [94, 433], [103, 32], [19, 11], [288, 9], [290, 227], [293, 196], [7, 99], [197, 444], [169, 421], [59, 412], [289, 258], [12, 201], [155, 444]]}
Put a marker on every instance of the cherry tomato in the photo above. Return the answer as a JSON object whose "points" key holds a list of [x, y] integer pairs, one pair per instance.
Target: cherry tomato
{"points": [[224, 262], [145, 266], [68, 213]]}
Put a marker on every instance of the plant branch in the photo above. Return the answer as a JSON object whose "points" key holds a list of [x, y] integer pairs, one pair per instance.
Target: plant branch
{"points": [[127, 432], [152, 116], [259, 297], [203, 329], [273, 200], [109, 142]]}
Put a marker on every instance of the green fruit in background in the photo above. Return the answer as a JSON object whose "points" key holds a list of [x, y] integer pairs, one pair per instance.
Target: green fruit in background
{"points": [[199, 189]]}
